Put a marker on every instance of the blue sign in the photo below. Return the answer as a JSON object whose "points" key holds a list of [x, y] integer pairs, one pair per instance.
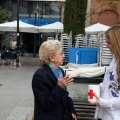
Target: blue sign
{"points": [[39, 22]]}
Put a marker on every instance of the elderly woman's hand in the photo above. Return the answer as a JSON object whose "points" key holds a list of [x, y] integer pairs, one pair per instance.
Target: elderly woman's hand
{"points": [[67, 80], [96, 102], [74, 116]]}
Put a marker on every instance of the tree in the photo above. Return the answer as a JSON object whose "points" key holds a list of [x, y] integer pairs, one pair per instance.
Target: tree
{"points": [[74, 17], [4, 15]]}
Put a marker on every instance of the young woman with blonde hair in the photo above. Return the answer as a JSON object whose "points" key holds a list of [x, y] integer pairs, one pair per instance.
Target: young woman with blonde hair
{"points": [[108, 105]]}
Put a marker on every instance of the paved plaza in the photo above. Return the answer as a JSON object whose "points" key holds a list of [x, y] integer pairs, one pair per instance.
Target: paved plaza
{"points": [[16, 97]]}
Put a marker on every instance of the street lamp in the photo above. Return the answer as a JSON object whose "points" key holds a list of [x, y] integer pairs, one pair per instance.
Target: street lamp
{"points": [[17, 59], [34, 48]]}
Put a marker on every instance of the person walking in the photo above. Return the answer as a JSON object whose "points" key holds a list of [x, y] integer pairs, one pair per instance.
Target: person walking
{"points": [[108, 104], [49, 84]]}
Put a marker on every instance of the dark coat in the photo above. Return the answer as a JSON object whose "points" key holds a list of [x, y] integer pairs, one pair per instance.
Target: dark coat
{"points": [[48, 96]]}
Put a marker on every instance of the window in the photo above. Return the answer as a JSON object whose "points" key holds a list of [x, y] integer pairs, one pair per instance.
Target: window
{"points": [[9, 5], [44, 9]]}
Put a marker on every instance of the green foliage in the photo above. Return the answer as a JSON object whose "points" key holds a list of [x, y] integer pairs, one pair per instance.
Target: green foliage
{"points": [[6, 37], [74, 16], [4, 15], [81, 95]]}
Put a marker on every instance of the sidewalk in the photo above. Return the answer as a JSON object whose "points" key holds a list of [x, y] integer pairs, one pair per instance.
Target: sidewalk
{"points": [[16, 97]]}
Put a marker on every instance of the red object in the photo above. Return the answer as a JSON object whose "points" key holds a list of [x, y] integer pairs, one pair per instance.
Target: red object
{"points": [[91, 94]]}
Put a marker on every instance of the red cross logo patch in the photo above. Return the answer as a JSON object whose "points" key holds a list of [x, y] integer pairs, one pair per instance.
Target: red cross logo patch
{"points": [[91, 94]]}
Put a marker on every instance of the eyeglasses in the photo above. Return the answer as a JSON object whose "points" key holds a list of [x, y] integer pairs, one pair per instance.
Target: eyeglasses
{"points": [[61, 53]]}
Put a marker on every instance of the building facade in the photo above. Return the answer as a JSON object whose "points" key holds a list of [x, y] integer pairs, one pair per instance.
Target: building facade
{"points": [[42, 12], [105, 12], [35, 12], [46, 11]]}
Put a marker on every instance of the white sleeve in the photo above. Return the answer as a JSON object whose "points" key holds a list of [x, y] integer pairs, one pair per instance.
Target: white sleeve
{"points": [[101, 85], [113, 104]]}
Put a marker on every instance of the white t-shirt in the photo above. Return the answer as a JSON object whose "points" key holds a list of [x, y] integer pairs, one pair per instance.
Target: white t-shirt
{"points": [[110, 96]]}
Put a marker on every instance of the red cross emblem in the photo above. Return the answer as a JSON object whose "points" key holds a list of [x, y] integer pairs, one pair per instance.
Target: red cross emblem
{"points": [[91, 94]]}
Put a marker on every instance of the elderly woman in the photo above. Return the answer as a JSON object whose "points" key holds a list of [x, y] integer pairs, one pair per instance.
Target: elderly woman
{"points": [[49, 83]]}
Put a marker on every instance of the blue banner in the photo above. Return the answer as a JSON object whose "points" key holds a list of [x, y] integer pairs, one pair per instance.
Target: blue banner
{"points": [[39, 22]]}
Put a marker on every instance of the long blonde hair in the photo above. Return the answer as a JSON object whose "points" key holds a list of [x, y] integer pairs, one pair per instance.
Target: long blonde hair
{"points": [[113, 34]]}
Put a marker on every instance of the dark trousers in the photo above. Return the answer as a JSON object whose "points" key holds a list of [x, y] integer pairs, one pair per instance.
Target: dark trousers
{"points": [[99, 119]]}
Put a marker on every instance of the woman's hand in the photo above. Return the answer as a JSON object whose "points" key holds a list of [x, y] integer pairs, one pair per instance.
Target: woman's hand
{"points": [[67, 80], [96, 102], [74, 116]]}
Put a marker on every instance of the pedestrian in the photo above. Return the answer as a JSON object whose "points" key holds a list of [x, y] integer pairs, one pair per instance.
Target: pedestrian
{"points": [[108, 104], [49, 84], [22, 48], [12, 45]]}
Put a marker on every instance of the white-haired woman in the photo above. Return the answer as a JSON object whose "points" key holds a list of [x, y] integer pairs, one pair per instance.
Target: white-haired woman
{"points": [[49, 84]]}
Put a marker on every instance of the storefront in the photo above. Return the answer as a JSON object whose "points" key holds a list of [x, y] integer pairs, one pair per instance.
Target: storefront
{"points": [[35, 12]]}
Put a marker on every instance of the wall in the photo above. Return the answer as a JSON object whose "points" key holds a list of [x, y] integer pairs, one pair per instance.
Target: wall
{"points": [[87, 22], [106, 14]]}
